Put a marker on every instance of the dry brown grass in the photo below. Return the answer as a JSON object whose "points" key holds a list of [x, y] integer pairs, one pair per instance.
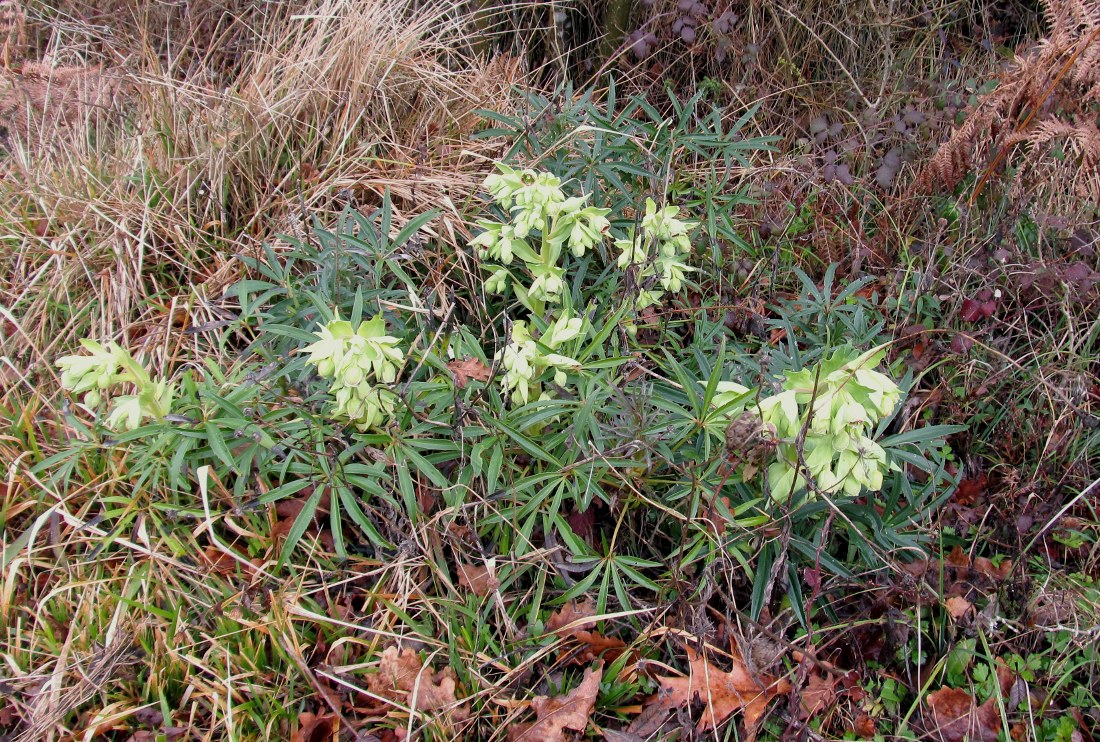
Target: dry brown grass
{"points": [[13, 19], [146, 150], [128, 184]]}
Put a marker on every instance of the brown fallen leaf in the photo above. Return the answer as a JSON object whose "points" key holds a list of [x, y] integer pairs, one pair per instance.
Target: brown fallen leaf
{"points": [[466, 369], [817, 695], [960, 560], [219, 561], [402, 678], [916, 568], [555, 715], [309, 172], [654, 715], [970, 491], [724, 692], [569, 613], [287, 512], [997, 573], [613, 735], [955, 716], [477, 579], [958, 607], [314, 728], [597, 646], [864, 725]]}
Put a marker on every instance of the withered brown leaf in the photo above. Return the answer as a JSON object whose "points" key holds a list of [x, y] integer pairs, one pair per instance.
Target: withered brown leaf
{"points": [[569, 613], [555, 715], [958, 607], [596, 645], [476, 578], [402, 678], [955, 716], [314, 727], [466, 369], [724, 692], [817, 695]]}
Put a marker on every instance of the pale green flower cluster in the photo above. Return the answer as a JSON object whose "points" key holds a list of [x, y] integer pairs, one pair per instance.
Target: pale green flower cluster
{"points": [[657, 252], [104, 367], [839, 453], [540, 211], [360, 361], [529, 362], [544, 222]]}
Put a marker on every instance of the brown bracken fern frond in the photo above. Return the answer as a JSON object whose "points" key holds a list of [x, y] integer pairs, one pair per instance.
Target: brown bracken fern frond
{"points": [[13, 20], [1041, 105]]}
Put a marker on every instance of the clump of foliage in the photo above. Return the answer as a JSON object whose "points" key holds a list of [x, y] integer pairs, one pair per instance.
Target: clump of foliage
{"points": [[354, 358], [102, 369], [591, 385]]}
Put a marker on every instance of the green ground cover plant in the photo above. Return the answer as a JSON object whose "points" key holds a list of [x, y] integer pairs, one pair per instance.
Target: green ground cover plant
{"points": [[671, 399]]}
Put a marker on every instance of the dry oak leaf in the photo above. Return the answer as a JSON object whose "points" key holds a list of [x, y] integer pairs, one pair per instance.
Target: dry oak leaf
{"points": [[466, 369], [555, 715], [958, 607], [476, 579], [402, 678], [954, 716], [597, 645], [571, 612], [314, 728], [724, 692], [817, 695]]}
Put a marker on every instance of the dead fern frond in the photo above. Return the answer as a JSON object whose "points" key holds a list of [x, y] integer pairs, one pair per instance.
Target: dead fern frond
{"points": [[1043, 96], [13, 34], [41, 97], [1081, 137]]}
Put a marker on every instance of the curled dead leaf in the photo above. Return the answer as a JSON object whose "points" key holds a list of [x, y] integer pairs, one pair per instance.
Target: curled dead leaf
{"points": [[864, 725], [477, 579], [404, 679], [594, 644], [986, 568], [314, 728], [466, 369], [556, 714], [724, 692]]}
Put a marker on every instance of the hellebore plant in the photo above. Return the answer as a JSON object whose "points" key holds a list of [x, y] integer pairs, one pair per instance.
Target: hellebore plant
{"points": [[544, 223], [838, 402], [359, 360], [667, 235], [541, 214], [530, 362], [105, 367]]}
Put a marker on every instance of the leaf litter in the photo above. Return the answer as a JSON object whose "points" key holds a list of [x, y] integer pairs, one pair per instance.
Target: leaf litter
{"points": [[722, 692], [554, 715]]}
